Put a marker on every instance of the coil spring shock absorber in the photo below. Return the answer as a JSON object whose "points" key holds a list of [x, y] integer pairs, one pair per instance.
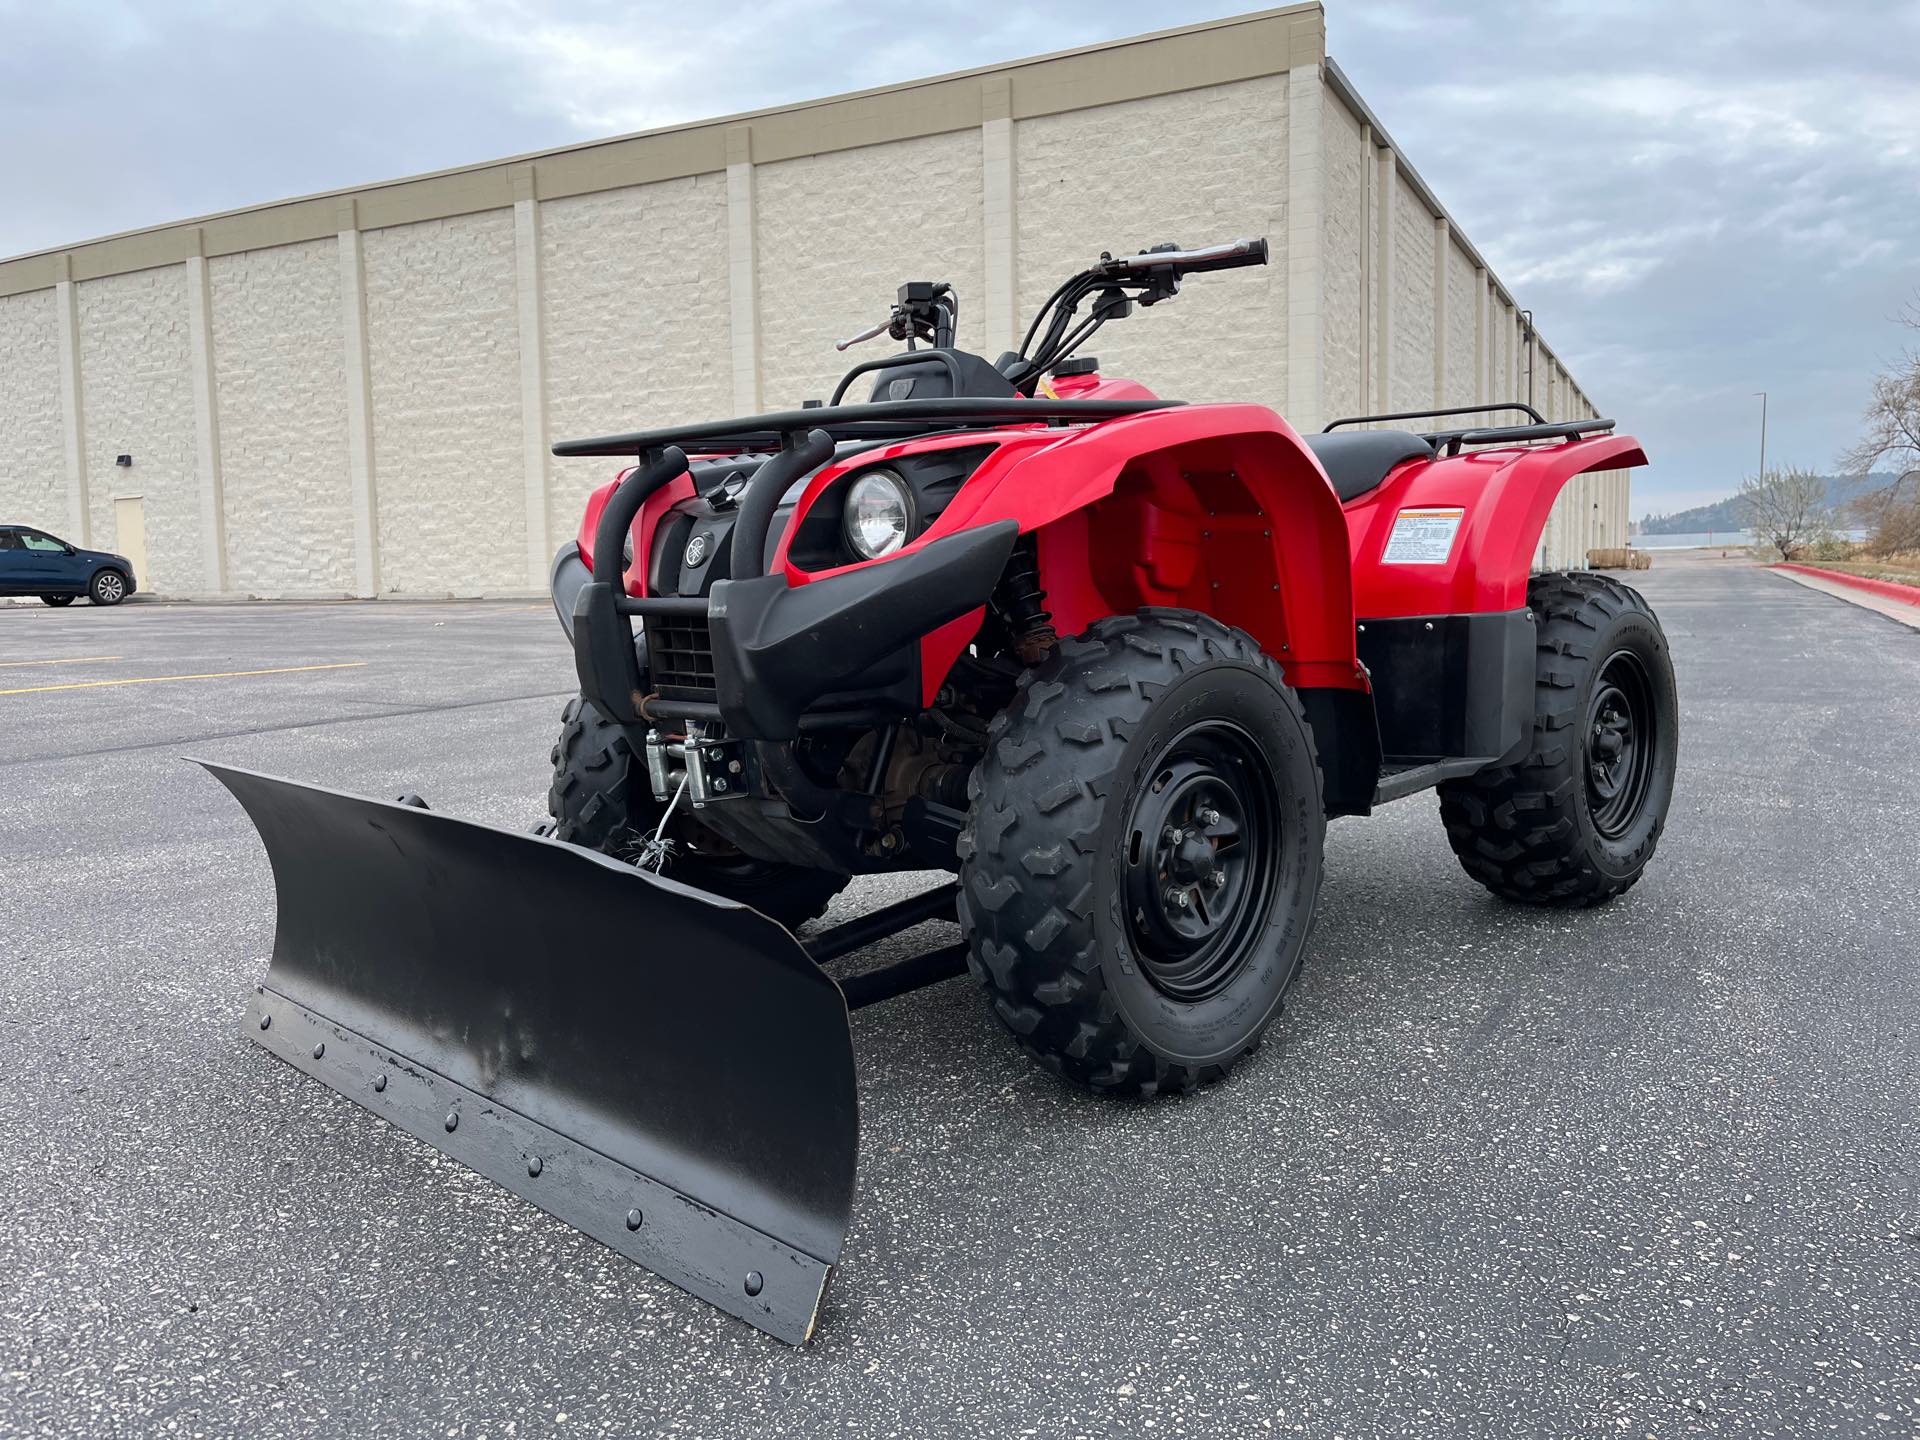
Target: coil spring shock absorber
{"points": [[1021, 604]]}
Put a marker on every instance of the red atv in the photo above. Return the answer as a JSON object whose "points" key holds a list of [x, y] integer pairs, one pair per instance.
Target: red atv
{"points": [[1114, 660]]}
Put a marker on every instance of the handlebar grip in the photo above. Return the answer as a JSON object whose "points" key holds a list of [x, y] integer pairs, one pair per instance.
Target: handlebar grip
{"points": [[1238, 253], [1229, 256]]}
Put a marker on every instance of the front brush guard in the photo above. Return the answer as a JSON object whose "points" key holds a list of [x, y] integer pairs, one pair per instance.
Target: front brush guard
{"points": [[776, 647], [662, 1069]]}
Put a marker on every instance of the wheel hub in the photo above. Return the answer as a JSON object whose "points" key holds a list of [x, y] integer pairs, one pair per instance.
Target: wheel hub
{"points": [[1619, 744], [1201, 838]]}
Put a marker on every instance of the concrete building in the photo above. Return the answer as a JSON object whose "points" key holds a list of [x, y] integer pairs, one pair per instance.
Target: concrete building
{"points": [[354, 393]]}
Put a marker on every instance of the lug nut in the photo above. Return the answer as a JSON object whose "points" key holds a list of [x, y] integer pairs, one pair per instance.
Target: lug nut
{"points": [[1209, 816], [719, 785], [1179, 899], [1217, 879], [1174, 835]]}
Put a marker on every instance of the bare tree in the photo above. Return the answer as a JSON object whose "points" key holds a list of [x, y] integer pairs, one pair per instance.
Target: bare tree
{"points": [[1891, 440], [1786, 509]]}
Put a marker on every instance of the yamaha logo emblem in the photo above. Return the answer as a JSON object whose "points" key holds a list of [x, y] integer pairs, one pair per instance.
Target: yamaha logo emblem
{"points": [[697, 552]]}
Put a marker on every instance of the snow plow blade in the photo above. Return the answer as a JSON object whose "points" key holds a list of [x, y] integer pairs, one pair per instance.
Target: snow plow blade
{"points": [[661, 1069]]}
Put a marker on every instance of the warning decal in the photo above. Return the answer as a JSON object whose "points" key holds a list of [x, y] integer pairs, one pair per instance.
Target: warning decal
{"points": [[1423, 537]]}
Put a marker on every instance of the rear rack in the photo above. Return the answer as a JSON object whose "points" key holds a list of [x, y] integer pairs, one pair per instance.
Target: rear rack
{"points": [[878, 420], [1452, 440]]}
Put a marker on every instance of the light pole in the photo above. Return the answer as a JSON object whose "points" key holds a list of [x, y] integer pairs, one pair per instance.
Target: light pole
{"points": [[1763, 435]]}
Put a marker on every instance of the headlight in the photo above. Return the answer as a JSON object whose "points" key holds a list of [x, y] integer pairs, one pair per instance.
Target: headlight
{"points": [[879, 513]]}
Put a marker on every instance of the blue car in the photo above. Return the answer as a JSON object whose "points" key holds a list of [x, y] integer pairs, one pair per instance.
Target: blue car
{"points": [[33, 562]]}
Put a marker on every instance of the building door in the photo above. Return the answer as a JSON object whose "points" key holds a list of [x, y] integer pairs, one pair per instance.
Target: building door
{"points": [[130, 535]]}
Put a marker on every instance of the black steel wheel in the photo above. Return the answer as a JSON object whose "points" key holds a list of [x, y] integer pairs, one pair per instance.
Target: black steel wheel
{"points": [[1199, 859], [1576, 819], [599, 798], [1620, 743], [1142, 853]]}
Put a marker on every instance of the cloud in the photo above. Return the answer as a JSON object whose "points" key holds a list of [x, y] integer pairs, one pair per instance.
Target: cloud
{"points": [[1698, 201]]}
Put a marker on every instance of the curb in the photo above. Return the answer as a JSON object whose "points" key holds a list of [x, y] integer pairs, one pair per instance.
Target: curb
{"points": [[1887, 589]]}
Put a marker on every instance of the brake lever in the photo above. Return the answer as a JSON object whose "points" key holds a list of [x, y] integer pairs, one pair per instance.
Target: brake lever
{"points": [[865, 335]]}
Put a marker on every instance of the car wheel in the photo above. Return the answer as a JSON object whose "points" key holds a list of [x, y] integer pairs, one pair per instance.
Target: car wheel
{"points": [[57, 600], [109, 587]]}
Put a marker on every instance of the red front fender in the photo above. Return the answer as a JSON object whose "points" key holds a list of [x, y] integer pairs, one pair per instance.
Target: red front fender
{"points": [[1215, 508], [657, 505]]}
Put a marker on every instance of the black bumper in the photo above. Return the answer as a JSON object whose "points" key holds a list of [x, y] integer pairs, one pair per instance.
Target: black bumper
{"points": [[778, 648]]}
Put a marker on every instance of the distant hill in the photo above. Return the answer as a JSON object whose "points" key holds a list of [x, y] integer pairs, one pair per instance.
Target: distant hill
{"points": [[1727, 514]]}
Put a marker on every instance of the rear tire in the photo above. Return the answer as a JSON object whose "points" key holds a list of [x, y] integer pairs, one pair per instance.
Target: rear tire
{"points": [[1574, 821], [600, 799], [1157, 756], [57, 601], [108, 587]]}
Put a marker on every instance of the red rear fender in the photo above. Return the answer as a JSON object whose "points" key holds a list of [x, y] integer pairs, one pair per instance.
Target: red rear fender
{"points": [[1501, 499]]}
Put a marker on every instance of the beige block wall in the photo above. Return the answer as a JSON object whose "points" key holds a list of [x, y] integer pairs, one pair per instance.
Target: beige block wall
{"points": [[663, 278], [1344, 248], [1198, 167], [1461, 382], [1500, 331], [137, 399], [836, 234], [444, 373], [33, 466], [279, 375], [1412, 301], [634, 306]]}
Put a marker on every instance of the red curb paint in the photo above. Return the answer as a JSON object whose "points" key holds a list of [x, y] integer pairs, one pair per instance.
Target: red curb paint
{"points": [[1891, 589]]}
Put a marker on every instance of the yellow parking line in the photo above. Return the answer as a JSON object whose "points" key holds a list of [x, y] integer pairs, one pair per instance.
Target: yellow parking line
{"points": [[162, 679], [73, 660]]}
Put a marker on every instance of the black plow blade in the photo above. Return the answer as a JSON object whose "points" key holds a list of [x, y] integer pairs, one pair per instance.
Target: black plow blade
{"points": [[663, 1070]]}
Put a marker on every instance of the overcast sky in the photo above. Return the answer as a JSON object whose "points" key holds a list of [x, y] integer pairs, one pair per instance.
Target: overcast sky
{"points": [[1699, 198]]}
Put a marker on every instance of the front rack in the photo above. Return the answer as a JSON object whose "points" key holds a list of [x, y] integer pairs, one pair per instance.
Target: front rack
{"points": [[877, 420], [1452, 440]]}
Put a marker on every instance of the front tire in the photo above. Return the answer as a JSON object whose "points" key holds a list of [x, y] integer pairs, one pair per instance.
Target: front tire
{"points": [[1574, 822], [109, 587], [57, 601], [599, 798], [1142, 855]]}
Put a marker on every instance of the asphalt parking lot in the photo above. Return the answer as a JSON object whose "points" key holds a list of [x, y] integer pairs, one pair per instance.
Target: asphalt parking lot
{"points": [[1652, 1170]]}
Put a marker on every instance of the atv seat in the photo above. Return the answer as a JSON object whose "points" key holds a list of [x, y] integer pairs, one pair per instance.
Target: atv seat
{"points": [[1358, 460]]}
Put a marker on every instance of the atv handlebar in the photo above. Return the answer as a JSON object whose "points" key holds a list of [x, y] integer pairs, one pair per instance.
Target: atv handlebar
{"points": [[1231, 255], [1120, 283]]}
